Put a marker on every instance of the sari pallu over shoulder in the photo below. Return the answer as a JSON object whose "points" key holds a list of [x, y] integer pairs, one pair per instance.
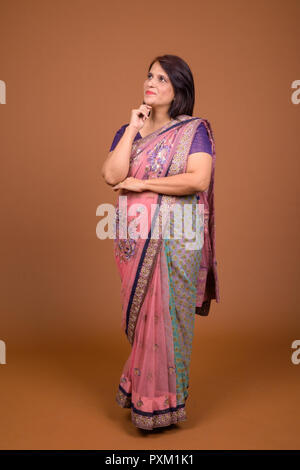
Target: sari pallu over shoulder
{"points": [[162, 153], [208, 282]]}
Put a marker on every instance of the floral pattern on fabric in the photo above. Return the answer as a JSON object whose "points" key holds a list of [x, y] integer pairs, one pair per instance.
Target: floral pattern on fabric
{"points": [[156, 160], [125, 247]]}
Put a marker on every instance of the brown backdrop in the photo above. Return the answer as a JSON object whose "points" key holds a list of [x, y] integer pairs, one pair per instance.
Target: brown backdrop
{"points": [[73, 71]]}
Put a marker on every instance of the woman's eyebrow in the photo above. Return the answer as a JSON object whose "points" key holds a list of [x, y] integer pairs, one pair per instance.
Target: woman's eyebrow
{"points": [[161, 74]]}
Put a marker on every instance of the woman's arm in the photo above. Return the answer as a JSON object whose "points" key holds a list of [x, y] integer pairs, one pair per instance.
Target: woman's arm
{"points": [[174, 185], [196, 178], [116, 165]]}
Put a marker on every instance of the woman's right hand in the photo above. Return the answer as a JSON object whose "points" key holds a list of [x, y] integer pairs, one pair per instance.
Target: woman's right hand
{"points": [[139, 116]]}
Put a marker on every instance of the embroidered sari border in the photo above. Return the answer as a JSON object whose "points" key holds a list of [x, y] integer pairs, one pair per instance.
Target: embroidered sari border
{"points": [[129, 330], [149, 413], [177, 124]]}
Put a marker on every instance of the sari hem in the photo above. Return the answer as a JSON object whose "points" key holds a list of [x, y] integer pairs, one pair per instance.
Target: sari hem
{"points": [[151, 420]]}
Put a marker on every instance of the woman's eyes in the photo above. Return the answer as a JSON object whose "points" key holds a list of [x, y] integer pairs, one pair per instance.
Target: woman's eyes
{"points": [[159, 77]]}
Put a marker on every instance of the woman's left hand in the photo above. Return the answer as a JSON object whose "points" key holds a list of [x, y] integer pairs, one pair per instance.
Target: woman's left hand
{"points": [[131, 184]]}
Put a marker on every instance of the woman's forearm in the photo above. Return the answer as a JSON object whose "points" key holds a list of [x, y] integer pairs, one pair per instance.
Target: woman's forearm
{"points": [[116, 166], [174, 185]]}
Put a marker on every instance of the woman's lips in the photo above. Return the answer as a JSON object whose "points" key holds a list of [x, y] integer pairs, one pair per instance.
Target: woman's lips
{"points": [[150, 92]]}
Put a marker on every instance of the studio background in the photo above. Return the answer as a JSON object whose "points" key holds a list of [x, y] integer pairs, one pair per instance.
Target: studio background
{"points": [[73, 71]]}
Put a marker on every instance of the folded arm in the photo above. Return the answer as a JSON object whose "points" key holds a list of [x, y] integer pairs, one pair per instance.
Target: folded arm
{"points": [[196, 178]]}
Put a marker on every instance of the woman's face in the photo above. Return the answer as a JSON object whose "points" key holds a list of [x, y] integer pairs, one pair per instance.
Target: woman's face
{"points": [[159, 83]]}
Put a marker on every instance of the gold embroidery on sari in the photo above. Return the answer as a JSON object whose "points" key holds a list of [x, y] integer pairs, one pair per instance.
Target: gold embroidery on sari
{"points": [[158, 419]]}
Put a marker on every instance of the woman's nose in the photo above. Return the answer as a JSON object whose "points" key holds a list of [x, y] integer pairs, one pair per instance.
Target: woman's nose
{"points": [[151, 81]]}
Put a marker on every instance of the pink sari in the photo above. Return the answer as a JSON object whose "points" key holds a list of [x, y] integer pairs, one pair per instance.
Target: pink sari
{"points": [[163, 285]]}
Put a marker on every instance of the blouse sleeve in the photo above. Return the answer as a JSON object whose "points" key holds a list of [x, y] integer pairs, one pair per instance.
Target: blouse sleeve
{"points": [[201, 142], [117, 137]]}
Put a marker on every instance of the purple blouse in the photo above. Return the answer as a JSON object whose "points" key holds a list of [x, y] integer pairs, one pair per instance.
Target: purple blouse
{"points": [[201, 142]]}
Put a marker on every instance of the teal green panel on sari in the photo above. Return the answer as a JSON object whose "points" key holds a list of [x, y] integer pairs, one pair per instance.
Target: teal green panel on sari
{"points": [[183, 270]]}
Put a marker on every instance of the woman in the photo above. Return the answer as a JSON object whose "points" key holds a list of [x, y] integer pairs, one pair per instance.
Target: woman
{"points": [[166, 279]]}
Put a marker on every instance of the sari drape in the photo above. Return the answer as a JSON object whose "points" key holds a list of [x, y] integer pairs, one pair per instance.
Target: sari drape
{"points": [[163, 284]]}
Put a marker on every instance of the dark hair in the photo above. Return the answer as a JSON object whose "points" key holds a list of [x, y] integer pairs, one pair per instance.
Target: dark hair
{"points": [[183, 83]]}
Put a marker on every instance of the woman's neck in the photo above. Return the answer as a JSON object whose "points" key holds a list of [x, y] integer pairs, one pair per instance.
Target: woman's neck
{"points": [[158, 117], [150, 127]]}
